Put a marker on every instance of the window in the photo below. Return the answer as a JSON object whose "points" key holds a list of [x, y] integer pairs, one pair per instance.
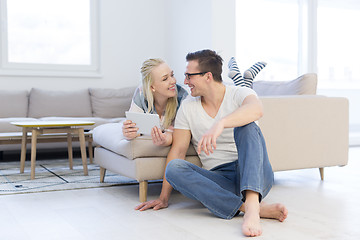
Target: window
{"points": [[338, 51], [301, 36], [267, 31], [57, 37], [338, 44]]}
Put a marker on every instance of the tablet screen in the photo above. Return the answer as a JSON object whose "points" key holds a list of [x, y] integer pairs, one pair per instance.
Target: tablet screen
{"points": [[144, 121]]}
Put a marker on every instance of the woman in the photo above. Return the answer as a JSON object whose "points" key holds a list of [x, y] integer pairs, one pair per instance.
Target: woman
{"points": [[159, 94]]}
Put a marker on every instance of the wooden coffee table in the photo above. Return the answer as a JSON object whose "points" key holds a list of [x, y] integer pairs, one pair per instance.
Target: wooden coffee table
{"points": [[52, 129]]}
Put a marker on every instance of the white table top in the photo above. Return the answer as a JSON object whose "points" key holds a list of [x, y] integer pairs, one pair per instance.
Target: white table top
{"points": [[66, 123]]}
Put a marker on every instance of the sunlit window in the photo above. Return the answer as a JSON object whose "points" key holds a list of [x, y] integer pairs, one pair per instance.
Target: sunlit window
{"points": [[338, 44], [300, 36], [45, 35], [52, 32], [267, 31]]}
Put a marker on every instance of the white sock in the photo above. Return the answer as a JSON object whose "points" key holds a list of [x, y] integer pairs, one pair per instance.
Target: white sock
{"points": [[234, 72], [251, 73]]}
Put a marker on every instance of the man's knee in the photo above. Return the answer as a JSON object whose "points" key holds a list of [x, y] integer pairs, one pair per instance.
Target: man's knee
{"points": [[173, 167], [246, 130]]}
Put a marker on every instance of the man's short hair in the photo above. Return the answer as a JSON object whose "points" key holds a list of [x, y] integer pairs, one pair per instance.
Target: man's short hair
{"points": [[209, 61]]}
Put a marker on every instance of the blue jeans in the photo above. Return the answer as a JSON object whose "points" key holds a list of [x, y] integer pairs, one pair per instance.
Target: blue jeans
{"points": [[221, 189]]}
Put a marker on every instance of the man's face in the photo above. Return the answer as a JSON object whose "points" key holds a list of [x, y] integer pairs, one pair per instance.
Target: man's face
{"points": [[194, 82]]}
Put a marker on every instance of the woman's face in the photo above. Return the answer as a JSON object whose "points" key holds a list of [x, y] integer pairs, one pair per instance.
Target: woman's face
{"points": [[163, 81]]}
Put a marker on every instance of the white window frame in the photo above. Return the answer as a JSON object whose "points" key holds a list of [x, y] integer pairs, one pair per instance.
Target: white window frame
{"points": [[307, 33], [50, 70]]}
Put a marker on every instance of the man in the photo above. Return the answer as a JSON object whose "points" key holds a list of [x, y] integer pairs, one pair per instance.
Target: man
{"points": [[219, 120]]}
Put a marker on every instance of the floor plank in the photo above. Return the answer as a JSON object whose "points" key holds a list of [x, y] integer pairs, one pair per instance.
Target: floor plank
{"points": [[318, 209]]}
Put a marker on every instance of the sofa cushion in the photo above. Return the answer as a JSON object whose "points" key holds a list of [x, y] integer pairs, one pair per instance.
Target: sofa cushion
{"points": [[305, 84], [6, 126], [43, 103], [110, 137], [13, 103], [109, 103]]}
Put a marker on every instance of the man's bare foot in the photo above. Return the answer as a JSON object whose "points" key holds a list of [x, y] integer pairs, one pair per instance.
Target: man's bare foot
{"points": [[274, 211], [251, 208], [251, 225]]}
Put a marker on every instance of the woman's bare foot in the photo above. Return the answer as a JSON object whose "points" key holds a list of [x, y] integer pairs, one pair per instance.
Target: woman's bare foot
{"points": [[274, 211]]}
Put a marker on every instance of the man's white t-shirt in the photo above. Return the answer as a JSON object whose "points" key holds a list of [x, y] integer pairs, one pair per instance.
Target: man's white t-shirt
{"points": [[192, 116]]}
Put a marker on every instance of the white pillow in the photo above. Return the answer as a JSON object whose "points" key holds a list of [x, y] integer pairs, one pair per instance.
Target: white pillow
{"points": [[304, 85]]}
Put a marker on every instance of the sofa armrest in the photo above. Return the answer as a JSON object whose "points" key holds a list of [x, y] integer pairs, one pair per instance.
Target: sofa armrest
{"points": [[307, 131], [110, 136]]}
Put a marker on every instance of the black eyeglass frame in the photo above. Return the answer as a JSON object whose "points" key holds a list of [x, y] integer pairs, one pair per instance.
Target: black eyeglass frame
{"points": [[188, 75]]}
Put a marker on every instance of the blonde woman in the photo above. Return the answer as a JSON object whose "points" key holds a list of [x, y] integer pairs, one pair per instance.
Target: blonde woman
{"points": [[158, 94]]}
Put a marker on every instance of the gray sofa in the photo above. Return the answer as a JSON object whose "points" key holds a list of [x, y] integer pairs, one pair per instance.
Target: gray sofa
{"points": [[94, 104], [301, 129]]}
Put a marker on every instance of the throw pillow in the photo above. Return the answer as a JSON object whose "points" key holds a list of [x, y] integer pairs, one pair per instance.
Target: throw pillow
{"points": [[304, 85], [47, 103], [13, 103], [110, 103]]}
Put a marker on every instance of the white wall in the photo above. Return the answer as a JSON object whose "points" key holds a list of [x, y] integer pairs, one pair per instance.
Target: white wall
{"points": [[132, 31], [200, 24]]}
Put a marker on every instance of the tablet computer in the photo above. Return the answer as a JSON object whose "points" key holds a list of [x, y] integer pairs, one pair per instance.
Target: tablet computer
{"points": [[144, 121]]}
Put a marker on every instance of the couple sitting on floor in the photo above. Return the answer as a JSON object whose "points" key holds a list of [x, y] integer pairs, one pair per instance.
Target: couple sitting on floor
{"points": [[220, 122]]}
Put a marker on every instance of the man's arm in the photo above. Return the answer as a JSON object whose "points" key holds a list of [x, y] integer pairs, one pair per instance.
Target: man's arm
{"points": [[250, 110], [181, 141]]}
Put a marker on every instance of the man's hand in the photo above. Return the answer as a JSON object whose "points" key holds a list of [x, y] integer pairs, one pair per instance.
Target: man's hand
{"points": [[207, 142], [154, 204], [158, 137], [161, 139], [130, 130]]}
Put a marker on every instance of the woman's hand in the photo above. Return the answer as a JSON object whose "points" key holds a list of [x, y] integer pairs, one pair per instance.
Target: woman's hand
{"points": [[159, 138], [130, 130], [207, 142]]}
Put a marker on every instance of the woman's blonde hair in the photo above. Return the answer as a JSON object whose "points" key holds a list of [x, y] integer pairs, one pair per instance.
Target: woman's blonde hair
{"points": [[147, 81]]}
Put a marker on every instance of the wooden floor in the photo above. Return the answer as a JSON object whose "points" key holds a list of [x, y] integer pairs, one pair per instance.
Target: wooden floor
{"points": [[317, 210]]}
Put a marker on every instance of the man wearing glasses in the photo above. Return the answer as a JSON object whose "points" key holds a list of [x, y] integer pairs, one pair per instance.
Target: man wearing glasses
{"points": [[220, 121]]}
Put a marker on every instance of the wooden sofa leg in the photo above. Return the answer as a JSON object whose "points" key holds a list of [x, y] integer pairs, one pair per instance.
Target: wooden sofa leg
{"points": [[102, 174], [321, 173], [143, 187], [91, 152]]}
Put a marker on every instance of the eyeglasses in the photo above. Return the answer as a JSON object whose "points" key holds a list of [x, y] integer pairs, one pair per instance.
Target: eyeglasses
{"points": [[187, 75]]}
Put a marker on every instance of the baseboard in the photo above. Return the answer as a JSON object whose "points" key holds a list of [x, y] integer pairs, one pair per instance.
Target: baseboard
{"points": [[354, 139]]}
